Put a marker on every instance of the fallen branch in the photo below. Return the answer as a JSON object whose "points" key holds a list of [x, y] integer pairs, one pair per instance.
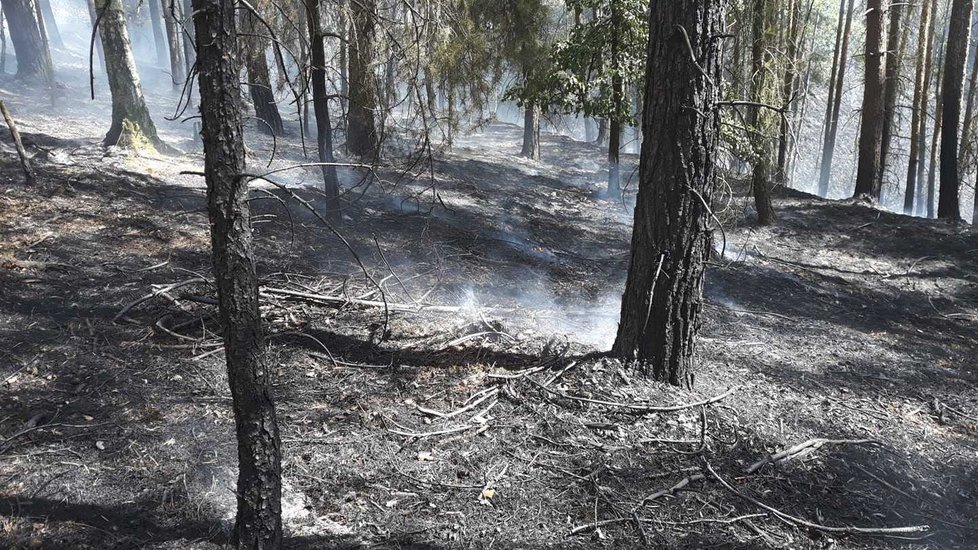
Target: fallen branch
{"points": [[796, 521], [636, 407], [672, 490], [25, 162], [803, 449], [154, 294], [356, 301]]}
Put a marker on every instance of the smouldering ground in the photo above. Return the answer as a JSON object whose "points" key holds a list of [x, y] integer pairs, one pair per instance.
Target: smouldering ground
{"points": [[470, 427]]}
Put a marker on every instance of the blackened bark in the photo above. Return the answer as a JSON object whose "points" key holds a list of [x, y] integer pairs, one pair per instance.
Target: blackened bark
{"points": [[835, 99], [173, 41], [602, 132], [614, 159], [187, 31], [259, 491], [129, 112], [33, 55], [871, 125], [259, 82], [891, 84], [320, 103], [958, 41], [531, 132], [918, 120], [670, 238], [760, 121], [361, 133]]}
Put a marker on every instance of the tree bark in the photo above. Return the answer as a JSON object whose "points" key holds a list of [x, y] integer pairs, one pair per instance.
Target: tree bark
{"points": [[926, 200], [871, 125], [788, 86], [361, 139], [259, 490], [129, 113], [320, 102], [760, 121], [955, 63], [918, 120], [834, 106], [259, 82], [33, 55], [187, 32], [670, 238], [173, 41], [614, 159], [891, 84], [531, 132]]}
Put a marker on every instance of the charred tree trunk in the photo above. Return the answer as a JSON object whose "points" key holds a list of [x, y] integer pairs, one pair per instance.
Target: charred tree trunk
{"points": [[188, 35], [918, 120], [320, 102], [671, 239], [614, 159], [51, 24], [33, 55], [834, 106], [760, 122], [788, 83], [259, 490], [259, 82], [531, 132], [130, 117], [602, 132], [159, 38], [361, 134], [955, 63], [891, 84], [925, 203], [173, 41], [871, 125]]}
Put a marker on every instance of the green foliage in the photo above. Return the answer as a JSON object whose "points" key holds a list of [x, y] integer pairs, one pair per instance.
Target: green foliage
{"points": [[607, 45]]}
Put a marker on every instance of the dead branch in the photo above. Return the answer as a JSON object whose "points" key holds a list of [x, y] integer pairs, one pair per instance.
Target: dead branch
{"points": [[799, 522], [803, 449], [25, 162], [638, 408]]}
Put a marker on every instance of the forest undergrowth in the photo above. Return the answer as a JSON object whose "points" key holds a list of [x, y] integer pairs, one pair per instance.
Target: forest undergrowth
{"points": [[445, 388]]}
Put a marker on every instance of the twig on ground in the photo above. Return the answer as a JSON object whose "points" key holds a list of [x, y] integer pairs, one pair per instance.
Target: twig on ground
{"points": [[636, 407], [154, 294]]}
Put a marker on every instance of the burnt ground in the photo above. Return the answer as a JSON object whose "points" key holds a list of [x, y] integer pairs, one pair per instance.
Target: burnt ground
{"points": [[464, 426]]}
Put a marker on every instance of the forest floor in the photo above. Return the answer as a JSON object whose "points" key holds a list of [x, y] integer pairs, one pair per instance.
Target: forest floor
{"points": [[484, 418]]}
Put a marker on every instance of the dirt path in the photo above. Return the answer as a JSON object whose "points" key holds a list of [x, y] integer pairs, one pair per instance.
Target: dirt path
{"points": [[839, 323]]}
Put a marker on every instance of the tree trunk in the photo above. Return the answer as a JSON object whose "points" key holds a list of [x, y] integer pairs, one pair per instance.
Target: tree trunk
{"points": [[259, 82], [130, 117], [3, 42], [320, 102], [189, 37], [926, 200], [918, 120], [92, 16], [761, 123], [670, 238], [361, 136], [967, 125], [51, 24], [531, 132], [345, 63], [871, 123], [835, 99], [602, 132], [955, 62], [259, 490], [173, 40], [891, 84], [614, 159], [159, 38], [33, 55]]}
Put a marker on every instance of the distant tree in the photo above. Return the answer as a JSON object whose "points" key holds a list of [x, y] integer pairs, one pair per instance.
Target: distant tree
{"points": [[958, 40], [320, 100], [671, 240], [895, 40], [259, 489], [33, 54], [50, 23], [871, 125], [173, 40], [159, 38], [130, 117], [762, 122], [256, 64], [520, 28], [595, 65], [836, 87], [925, 44], [361, 133]]}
